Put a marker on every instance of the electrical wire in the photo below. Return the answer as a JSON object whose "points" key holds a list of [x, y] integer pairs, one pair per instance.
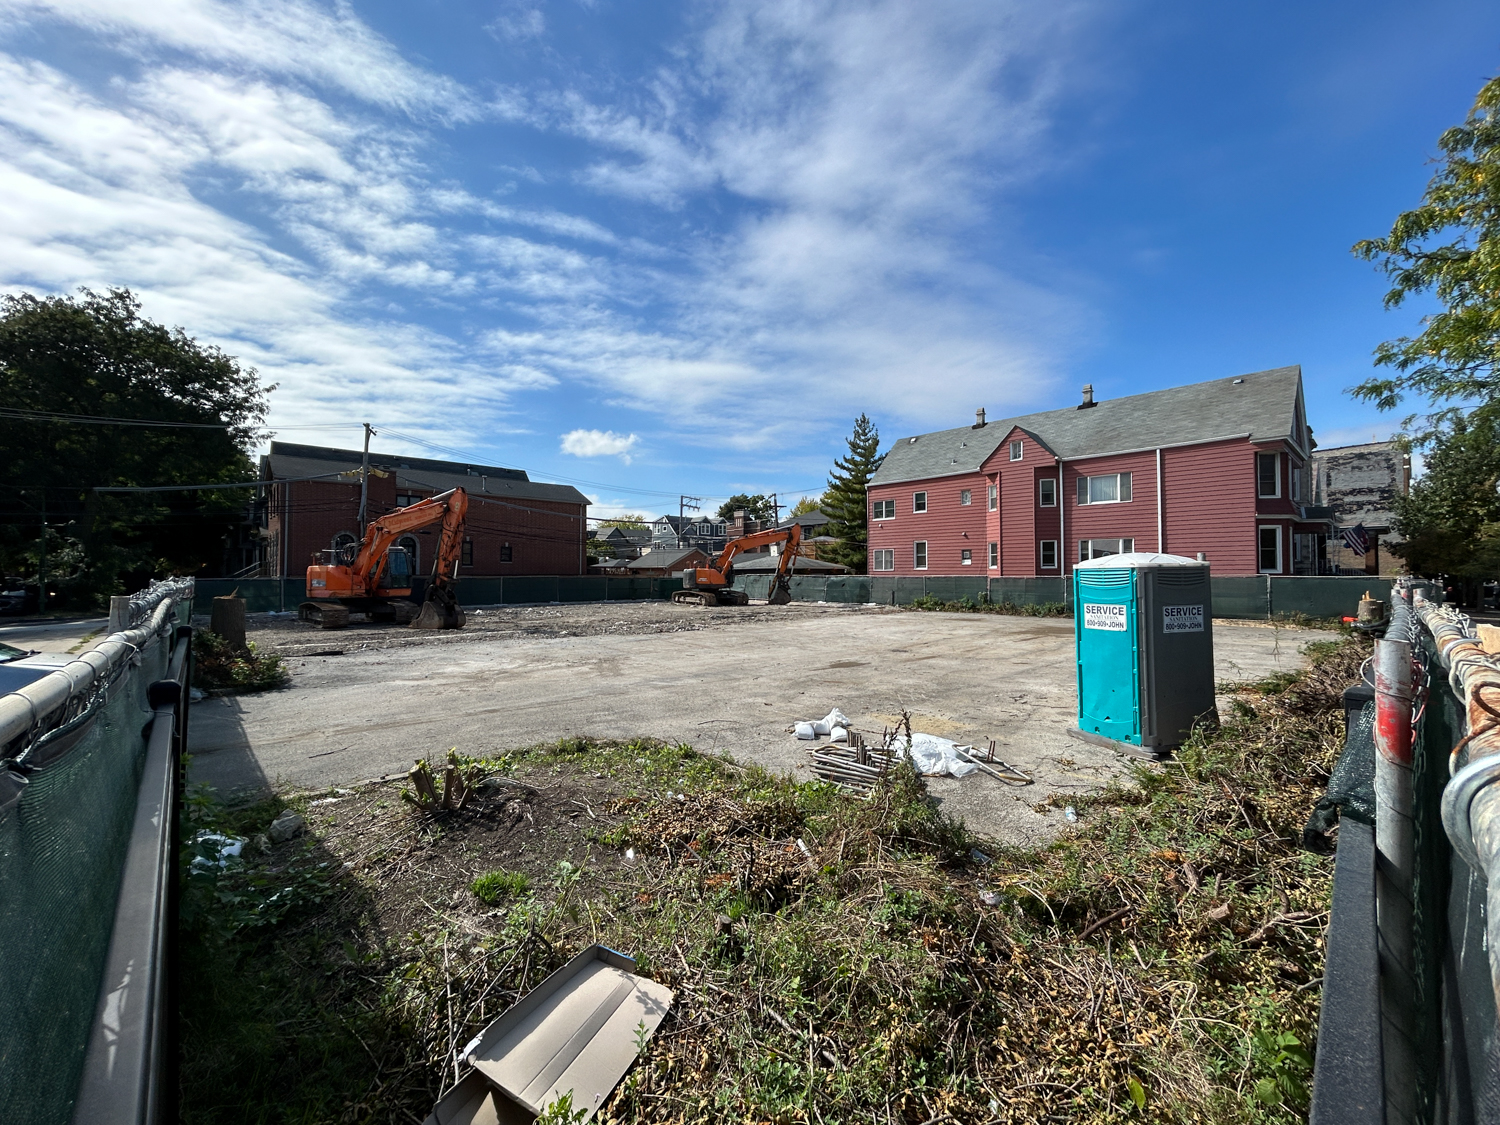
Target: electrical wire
{"points": [[18, 414]]}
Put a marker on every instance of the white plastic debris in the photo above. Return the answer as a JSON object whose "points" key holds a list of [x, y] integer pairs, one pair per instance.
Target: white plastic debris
{"points": [[1070, 814], [224, 848], [197, 695], [933, 756], [989, 898], [821, 728], [629, 855], [838, 734]]}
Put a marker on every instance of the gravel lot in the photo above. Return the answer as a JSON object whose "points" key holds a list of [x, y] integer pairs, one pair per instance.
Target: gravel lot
{"points": [[367, 700]]}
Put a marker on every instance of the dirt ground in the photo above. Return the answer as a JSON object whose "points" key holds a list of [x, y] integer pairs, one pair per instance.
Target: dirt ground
{"points": [[366, 701]]}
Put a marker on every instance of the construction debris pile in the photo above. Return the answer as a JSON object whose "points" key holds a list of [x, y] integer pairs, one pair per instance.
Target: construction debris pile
{"points": [[851, 761]]}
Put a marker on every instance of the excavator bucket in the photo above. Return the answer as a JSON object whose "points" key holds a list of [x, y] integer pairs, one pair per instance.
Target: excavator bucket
{"points": [[781, 592], [440, 611]]}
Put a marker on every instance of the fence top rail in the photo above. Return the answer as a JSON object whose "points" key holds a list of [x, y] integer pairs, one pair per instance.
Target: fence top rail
{"points": [[26, 711]]}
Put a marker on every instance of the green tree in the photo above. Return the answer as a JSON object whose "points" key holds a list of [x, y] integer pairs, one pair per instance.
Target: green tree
{"points": [[629, 519], [1450, 522], [758, 507], [806, 504], [1449, 247], [845, 503], [94, 355]]}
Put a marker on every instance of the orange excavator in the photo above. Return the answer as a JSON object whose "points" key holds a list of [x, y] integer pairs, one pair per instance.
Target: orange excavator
{"points": [[713, 584], [375, 577]]}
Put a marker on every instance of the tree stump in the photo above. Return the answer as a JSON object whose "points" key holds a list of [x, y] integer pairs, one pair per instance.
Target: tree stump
{"points": [[228, 620]]}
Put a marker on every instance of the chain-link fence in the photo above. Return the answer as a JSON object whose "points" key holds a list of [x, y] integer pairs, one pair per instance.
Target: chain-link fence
{"points": [[82, 747]]}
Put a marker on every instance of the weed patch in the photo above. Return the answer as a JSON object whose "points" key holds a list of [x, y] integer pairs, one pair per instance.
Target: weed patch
{"points": [[217, 665], [835, 959], [932, 604]]}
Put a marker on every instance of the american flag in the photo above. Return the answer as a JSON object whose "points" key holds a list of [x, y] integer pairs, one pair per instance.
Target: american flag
{"points": [[1357, 539]]}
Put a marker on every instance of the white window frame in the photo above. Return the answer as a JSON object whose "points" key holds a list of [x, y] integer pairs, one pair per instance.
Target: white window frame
{"points": [[1124, 482], [1276, 527], [994, 556], [965, 497], [885, 555], [885, 509], [919, 550], [1042, 562], [1043, 486], [966, 556], [1017, 450], [918, 503], [1123, 546], [994, 493], [1275, 495]]}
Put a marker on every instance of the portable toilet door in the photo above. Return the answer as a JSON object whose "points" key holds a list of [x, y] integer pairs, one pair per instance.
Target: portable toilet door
{"points": [[1105, 622]]}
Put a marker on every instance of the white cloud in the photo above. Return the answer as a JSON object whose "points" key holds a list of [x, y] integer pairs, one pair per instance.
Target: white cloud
{"points": [[599, 443]]}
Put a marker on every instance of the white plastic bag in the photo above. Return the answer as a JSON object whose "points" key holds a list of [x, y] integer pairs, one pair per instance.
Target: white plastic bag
{"points": [[805, 730], [838, 734], [935, 757]]}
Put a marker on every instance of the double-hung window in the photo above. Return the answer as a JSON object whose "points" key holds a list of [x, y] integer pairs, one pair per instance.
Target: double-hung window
{"points": [[994, 496], [1268, 474], [919, 555], [1111, 488], [883, 559], [1049, 554], [1268, 548], [466, 552], [885, 509], [1047, 488], [505, 553], [994, 556], [919, 501], [1016, 451]]}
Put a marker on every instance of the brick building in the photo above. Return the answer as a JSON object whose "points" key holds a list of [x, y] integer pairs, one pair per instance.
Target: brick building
{"points": [[1220, 468], [514, 526]]}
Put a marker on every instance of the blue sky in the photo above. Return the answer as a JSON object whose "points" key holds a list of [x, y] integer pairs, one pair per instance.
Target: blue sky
{"points": [[659, 248]]}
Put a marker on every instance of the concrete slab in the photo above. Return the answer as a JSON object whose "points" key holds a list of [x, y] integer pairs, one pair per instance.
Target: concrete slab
{"points": [[715, 679]]}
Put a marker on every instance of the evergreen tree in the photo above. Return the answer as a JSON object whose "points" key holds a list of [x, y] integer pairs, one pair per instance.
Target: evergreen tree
{"points": [[845, 503], [757, 507]]}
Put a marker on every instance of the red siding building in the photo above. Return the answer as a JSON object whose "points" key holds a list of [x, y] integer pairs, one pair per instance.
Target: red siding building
{"points": [[514, 525], [1217, 468]]}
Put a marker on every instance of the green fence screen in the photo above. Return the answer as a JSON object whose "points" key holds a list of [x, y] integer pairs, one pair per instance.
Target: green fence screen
{"points": [[62, 850]]}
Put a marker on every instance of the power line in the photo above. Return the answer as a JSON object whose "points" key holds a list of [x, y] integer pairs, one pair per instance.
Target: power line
{"points": [[105, 420]]}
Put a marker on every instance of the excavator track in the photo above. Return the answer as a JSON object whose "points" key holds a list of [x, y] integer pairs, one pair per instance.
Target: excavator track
{"points": [[693, 597], [330, 615]]}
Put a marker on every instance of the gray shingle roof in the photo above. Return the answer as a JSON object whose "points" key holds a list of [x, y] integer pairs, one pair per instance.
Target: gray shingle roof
{"points": [[662, 560], [1262, 405], [288, 460]]}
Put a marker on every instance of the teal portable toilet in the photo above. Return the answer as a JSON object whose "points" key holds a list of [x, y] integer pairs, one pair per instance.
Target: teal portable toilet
{"points": [[1143, 636]]}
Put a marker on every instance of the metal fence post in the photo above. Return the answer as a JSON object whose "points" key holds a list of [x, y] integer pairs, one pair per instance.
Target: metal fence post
{"points": [[1393, 871]]}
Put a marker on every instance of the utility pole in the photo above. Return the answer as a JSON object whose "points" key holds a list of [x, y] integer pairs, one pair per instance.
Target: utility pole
{"points": [[686, 504], [364, 481], [41, 577]]}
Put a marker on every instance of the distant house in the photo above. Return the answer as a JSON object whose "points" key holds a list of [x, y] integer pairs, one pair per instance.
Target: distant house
{"points": [[766, 564], [625, 542], [1220, 468], [669, 532], [814, 542], [1359, 484], [663, 563]]}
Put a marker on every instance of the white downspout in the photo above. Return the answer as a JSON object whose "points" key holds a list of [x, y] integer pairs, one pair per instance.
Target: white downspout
{"points": [[1161, 541], [1062, 529]]}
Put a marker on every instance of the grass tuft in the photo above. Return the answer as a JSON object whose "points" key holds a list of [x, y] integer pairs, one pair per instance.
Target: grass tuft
{"points": [[493, 886]]}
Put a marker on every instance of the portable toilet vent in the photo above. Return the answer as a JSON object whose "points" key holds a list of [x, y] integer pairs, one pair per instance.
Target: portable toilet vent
{"points": [[1145, 648]]}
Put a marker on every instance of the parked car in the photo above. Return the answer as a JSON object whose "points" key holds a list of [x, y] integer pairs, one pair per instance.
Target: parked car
{"points": [[15, 599], [22, 666]]}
